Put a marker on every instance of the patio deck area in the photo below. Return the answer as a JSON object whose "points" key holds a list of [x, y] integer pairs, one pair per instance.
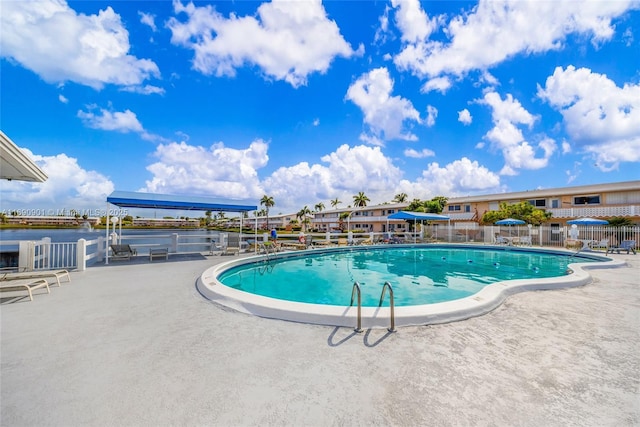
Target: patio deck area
{"points": [[135, 344]]}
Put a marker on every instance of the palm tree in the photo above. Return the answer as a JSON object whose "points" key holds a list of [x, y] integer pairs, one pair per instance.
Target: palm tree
{"points": [[319, 207], [341, 218], [400, 198], [302, 214], [335, 202], [360, 200], [268, 202]]}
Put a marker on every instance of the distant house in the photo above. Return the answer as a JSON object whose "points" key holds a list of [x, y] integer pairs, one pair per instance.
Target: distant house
{"points": [[165, 222], [68, 221]]}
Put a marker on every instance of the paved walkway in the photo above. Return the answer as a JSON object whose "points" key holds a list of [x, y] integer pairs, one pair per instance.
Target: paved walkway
{"points": [[136, 345]]}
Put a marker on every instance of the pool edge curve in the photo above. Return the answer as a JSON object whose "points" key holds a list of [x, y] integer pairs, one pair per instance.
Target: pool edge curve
{"points": [[480, 303]]}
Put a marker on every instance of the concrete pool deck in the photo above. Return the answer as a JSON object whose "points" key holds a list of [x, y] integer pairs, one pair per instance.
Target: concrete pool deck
{"points": [[135, 344]]}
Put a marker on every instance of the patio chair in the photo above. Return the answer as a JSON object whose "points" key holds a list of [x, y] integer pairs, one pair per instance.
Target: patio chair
{"points": [[122, 252], [524, 240], [158, 253], [233, 244], [395, 240], [292, 245], [602, 244], [500, 240], [308, 242], [625, 245]]}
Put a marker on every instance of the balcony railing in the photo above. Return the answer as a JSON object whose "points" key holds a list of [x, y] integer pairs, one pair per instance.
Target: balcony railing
{"points": [[596, 211]]}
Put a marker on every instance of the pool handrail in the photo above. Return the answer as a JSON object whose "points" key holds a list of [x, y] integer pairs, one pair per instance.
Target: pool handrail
{"points": [[386, 285], [356, 288]]}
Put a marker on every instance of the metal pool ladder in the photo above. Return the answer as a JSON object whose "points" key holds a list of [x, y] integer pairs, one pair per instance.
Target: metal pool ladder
{"points": [[354, 290], [266, 262], [386, 285]]}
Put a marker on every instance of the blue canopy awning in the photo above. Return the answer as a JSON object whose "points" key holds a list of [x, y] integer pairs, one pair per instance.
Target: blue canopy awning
{"points": [[130, 199], [418, 216]]}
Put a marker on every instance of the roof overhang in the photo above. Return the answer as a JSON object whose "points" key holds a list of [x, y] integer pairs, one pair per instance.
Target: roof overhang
{"points": [[418, 216], [16, 165], [129, 199]]}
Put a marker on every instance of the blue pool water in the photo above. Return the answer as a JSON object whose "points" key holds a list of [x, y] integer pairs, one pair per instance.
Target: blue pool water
{"points": [[419, 275]]}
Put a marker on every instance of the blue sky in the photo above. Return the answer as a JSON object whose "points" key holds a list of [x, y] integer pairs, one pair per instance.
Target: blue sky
{"points": [[308, 101]]}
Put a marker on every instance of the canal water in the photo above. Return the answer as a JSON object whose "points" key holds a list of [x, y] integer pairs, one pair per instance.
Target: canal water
{"points": [[9, 238]]}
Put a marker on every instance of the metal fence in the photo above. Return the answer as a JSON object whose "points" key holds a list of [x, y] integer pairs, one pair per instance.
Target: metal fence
{"points": [[545, 235]]}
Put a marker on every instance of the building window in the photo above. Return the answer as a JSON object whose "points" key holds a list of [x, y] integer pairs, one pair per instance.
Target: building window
{"points": [[586, 200], [538, 203], [454, 208], [555, 203], [467, 208]]}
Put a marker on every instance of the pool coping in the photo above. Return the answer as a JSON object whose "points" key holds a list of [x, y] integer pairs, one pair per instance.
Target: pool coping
{"points": [[480, 303]]}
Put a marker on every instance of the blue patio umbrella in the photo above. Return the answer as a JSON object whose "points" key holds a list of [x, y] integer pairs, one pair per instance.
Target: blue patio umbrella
{"points": [[510, 222], [588, 221]]}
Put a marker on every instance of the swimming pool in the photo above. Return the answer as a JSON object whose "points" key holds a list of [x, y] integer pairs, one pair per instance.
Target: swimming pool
{"points": [[431, 283]]}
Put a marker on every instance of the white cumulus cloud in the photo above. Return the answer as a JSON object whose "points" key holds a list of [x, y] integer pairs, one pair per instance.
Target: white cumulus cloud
{"points": [[230, 173], [117, 121], [384, 114], [432, 113], [507, 136], [216, 171], [287, 40], [600, 117], [149, 20], [464, 117], [344, 172], [120, 121], [425, 152], [52, 40], [441, 84], [69, 186], [460, 177], [511, 28]]}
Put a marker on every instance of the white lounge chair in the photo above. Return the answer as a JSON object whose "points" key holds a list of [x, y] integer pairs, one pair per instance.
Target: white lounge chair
{"points": [[28, 285], [41, 274], [602, 244]]}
